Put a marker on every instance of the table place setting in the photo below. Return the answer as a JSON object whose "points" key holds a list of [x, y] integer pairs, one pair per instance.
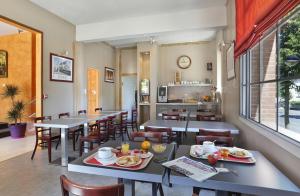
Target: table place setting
{"points": [[214, 153], [121, 157]]}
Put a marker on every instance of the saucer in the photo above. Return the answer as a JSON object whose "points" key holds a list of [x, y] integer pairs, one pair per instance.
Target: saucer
{"points": [[107, 161]]}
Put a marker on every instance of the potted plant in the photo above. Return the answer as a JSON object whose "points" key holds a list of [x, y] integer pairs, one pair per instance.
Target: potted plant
{"points": [[15, 113]]}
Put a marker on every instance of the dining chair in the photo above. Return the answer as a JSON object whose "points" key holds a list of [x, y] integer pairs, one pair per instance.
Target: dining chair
{"points": [[166, 133], [111, 128], [98, 134], [166, 116], [45, 136], [132, 123], [140, 136], [81, 112], [98, 109], [205, 132], [121, 127], [218, 140], [68, 186], [74, 132], [208, 118]]}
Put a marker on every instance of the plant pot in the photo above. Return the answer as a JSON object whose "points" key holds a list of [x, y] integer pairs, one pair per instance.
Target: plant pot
{"points": [[17, 130]]}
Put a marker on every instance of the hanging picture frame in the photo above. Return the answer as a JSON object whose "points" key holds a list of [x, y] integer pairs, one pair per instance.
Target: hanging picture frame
{"points": [[230, 62], [109, 75], [3, 64], [61, 68]]}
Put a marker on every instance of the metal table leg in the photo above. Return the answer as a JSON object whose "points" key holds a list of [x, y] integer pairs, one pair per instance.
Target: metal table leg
{"points": [[154, 189], [64, 147], [129, 186], [86, 133]]}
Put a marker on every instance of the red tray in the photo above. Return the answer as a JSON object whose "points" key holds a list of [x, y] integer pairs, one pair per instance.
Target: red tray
{"points": [[250, 160], [91, 160]]}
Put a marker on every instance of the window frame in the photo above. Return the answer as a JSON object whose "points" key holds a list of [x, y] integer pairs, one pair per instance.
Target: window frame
{"points": [[247, 66]]}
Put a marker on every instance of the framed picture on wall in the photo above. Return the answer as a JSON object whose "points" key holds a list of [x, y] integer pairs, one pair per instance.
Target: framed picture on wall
{"points": [[230, 62], [109, 75], [209, 66], [3, 64], [61, 68]]}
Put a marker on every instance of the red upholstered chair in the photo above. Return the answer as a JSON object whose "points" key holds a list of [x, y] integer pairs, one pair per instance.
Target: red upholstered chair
{"points": [[121, 127], [133, 122], [166, 133], [73, 132], [140, 136], [166, 116], [45, 135], [98, 134], [67, 186]]}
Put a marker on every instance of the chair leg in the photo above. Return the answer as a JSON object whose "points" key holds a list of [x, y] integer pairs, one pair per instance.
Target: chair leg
{"points": [[80, 148], [58, 142], [161, 191], [35, 147], [74, 140], [49, 150]]}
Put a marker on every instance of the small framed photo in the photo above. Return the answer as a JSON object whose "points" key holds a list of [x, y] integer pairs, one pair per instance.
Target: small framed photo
{"points": [[61, 68], [109, 75], [209, 66], [3, 64]]}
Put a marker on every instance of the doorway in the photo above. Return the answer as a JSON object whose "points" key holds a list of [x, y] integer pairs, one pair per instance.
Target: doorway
{"points": [[93, 90], [23, 47], [129, 88]]}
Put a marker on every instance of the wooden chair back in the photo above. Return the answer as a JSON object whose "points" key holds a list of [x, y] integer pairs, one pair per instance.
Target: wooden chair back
{"points": [[205, 132], [140, 136], [166, 132], [64, 115], [124, 117], [133, 115], [170, 117], [219, 140], [98, 109], [208, 118], [81, 112], [67, 186]]}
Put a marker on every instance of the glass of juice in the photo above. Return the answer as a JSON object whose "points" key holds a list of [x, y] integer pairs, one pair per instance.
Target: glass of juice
{"points": [[125, 148]]}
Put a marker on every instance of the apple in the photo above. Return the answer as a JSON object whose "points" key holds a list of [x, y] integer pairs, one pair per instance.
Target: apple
{"points": [[212, 159]]}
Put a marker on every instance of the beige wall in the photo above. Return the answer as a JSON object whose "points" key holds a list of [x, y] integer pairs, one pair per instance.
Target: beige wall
{"points": [[98, 56], [279, 151], [19, 49], [128, 60], [200, 54], [59, 36]]}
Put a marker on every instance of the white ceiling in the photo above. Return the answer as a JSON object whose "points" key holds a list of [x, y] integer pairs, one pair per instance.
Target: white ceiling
{"points": [[166, 38], [89, 11], [6, 29]]}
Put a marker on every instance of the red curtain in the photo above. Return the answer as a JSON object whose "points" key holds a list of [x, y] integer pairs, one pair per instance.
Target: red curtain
{"points": [[254, 17]]}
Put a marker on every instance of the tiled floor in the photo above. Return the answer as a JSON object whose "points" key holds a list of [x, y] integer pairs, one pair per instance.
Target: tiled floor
{"points": [[21, 176]]}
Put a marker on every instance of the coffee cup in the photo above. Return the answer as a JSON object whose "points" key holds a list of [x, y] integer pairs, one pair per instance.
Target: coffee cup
{"points": [[209, 147], [104, 153]]}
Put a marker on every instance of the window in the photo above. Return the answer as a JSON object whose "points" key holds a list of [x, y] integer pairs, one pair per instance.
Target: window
{"points": [[270, 79]]}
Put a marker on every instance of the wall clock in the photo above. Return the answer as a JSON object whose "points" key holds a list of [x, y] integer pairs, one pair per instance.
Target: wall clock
{"points": [[184, 62]]}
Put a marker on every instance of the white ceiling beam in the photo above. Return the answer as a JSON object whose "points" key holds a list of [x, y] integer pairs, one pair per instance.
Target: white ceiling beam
{"points": [[208, 18]]}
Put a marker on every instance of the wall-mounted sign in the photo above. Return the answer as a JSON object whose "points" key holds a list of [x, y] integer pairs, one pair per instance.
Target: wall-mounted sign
{"points": [[184, 62]]}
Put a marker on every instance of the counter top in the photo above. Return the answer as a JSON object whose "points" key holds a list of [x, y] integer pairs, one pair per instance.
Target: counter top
{"points": [[199, 103]]}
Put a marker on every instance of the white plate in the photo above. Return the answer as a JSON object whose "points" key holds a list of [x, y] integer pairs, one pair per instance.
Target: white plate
{"points": [[128, 165], [146, 155], [234, 149]]}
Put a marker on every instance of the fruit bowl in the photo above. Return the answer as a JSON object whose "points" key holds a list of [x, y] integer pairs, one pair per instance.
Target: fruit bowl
{"points": [[159, 148]]}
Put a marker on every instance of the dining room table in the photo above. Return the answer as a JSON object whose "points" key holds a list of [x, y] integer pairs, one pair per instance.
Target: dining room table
{"points": [[153, 173], [191, 126], [64, 124], [259, 178]]}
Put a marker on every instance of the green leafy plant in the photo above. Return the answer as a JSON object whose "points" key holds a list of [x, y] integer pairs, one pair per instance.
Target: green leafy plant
{"points": [[16, 111]]}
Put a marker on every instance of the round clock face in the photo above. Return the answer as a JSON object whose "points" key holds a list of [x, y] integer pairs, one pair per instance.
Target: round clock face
{"points": [[184, 62]]}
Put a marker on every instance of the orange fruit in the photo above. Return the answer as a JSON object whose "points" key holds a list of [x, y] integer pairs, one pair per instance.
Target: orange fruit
{"points": [[145, 145]]}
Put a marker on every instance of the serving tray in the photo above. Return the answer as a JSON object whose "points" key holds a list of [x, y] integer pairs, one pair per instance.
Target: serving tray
{"points": [[91, 160], [248, 160]]}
